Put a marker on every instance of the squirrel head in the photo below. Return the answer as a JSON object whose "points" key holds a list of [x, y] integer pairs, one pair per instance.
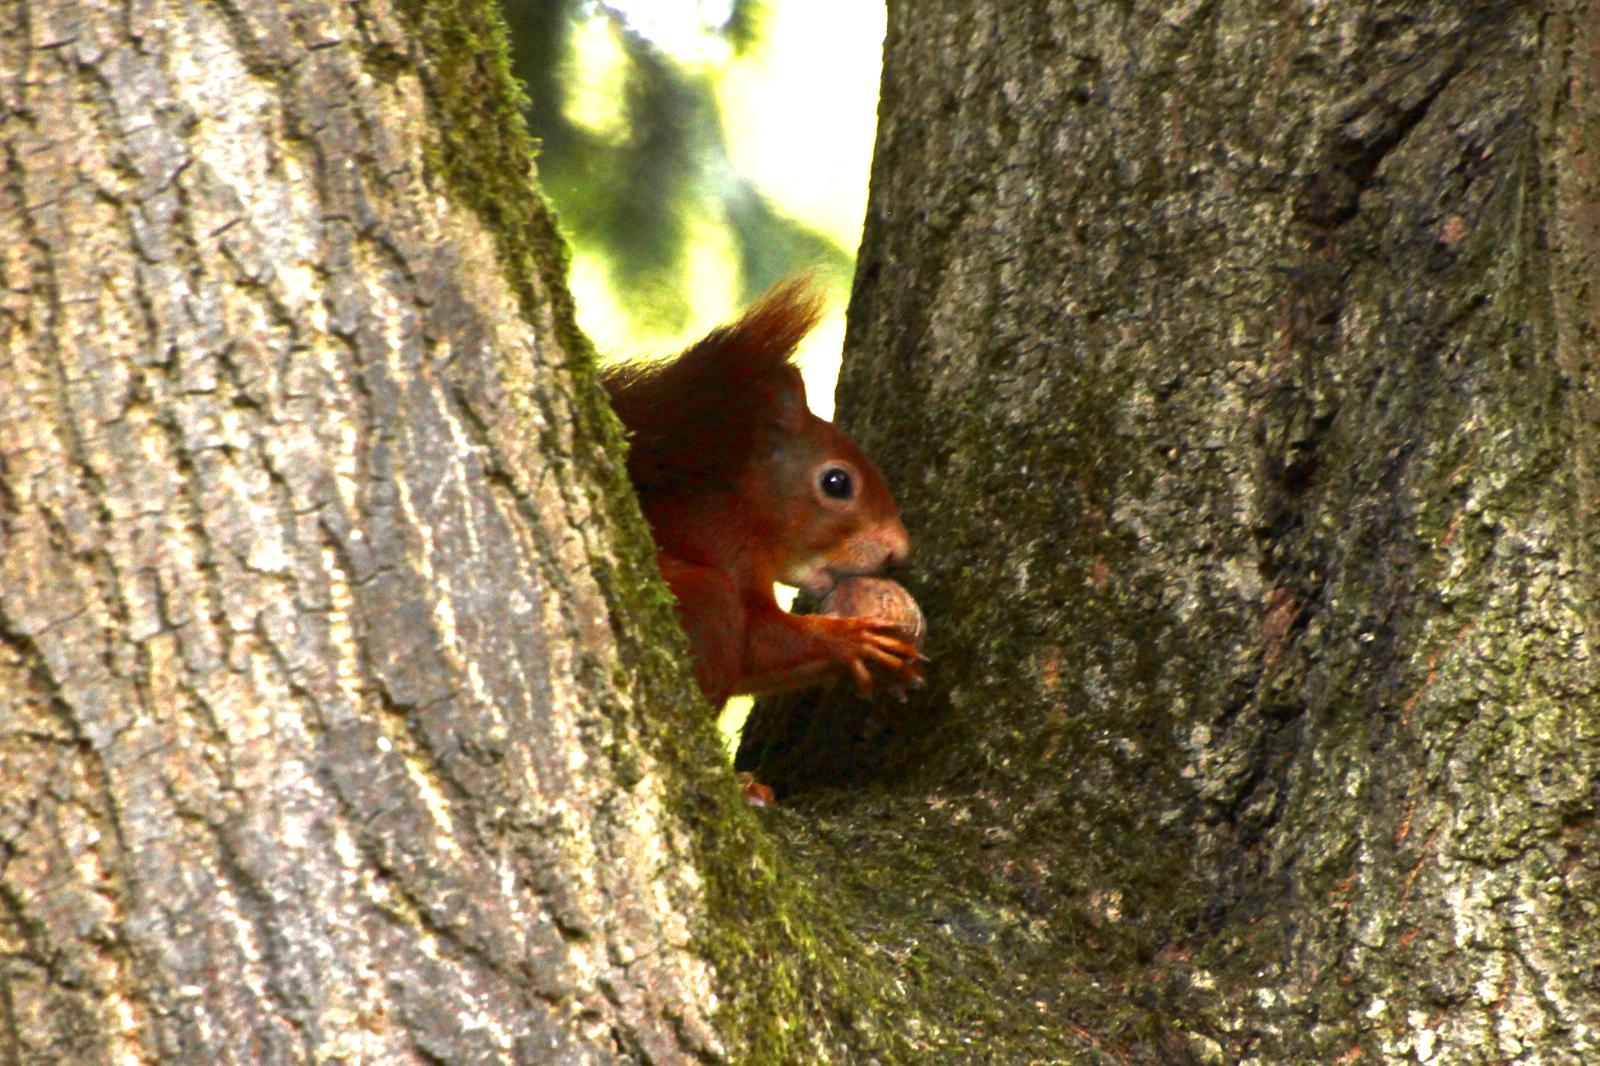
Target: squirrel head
{"points": [[830, 510], [722, 433]]}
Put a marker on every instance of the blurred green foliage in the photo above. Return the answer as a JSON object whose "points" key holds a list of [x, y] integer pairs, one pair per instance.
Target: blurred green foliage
{"points": [[627, 191]]}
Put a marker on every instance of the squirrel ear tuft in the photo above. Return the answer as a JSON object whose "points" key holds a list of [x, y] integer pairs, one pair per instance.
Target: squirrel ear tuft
{"points": [[789, 408]]}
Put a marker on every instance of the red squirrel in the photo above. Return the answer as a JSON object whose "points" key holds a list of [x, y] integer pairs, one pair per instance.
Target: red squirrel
{"points": [[743, 486]]}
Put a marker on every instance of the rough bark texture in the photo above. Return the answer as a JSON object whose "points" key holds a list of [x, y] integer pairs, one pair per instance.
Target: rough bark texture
{"points": [[317, 739], [1234, 365]]}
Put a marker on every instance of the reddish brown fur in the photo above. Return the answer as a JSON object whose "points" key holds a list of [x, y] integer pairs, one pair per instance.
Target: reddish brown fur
{"points": [[684, 434], [726, 460]]}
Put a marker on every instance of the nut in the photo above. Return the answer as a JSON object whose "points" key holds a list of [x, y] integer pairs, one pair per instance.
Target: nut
{"points": [[877, 597]]}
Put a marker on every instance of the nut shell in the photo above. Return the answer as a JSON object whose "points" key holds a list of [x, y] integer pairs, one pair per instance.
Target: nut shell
{"points": [[877, 597]]}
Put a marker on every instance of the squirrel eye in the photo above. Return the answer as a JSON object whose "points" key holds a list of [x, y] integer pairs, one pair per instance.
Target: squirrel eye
{"points": [[836, 483]]}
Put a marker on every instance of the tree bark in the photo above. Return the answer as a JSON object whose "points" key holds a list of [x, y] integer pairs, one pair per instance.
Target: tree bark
{"points": [[1234, 365], [1235, 369], [319, 740]]}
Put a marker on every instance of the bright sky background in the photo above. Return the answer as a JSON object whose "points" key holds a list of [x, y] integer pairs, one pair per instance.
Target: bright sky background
{"points": [[799, 115]]}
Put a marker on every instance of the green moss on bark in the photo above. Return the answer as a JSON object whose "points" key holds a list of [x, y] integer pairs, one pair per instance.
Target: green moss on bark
{"points": [[794, 982], [1209, 360]]}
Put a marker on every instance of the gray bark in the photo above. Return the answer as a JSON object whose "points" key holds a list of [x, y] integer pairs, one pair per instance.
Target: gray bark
{"points": [[317, 739], [1234, 365]]}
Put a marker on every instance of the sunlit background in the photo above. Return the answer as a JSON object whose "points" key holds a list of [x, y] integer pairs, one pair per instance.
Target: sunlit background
{"points": [[697, 151]]}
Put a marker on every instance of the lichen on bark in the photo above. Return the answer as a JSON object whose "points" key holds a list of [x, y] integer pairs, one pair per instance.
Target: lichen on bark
{"points": [[1251, 474], [314, 537], [1232, 369]]}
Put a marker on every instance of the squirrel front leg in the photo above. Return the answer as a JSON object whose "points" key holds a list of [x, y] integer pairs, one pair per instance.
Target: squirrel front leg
{"points": [[784, 652]]}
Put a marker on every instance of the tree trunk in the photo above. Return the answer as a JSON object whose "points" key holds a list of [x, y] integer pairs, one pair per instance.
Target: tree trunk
{"points": [[1234, 365], [318, 740], [1235, 370]]}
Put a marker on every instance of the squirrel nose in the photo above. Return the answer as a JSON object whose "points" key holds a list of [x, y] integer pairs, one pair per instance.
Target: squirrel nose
{"points": [[896, 545]]}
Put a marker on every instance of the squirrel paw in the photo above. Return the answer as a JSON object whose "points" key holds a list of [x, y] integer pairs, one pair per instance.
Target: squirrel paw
{"points": [[868, 647]]}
